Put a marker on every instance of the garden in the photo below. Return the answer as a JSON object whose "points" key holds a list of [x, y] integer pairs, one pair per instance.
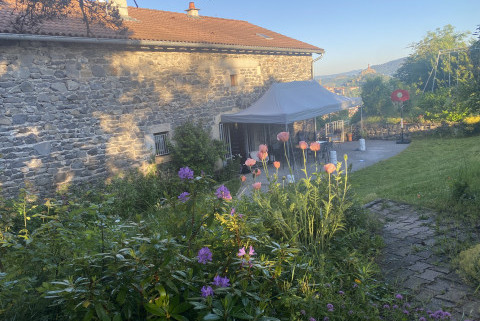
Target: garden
{"points": [[178, 245]]}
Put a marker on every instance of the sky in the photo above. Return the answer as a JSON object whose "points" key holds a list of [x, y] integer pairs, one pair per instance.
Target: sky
{"points": [[354, 33]]}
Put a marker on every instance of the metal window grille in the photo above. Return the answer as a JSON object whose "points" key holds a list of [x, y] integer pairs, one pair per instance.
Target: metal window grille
{"points": [[225, 138], [161, 147]]}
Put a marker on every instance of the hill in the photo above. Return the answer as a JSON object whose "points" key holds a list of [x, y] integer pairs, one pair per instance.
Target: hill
{"points": [[387, 69]]}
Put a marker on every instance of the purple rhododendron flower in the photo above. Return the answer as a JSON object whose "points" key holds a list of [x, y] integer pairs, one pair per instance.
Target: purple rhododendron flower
{"points": [[223, 193], [185, 173], [399, 296], [241, 252], [341, 292], [221, 282], [330, 307], [312, 319], [204, 255], [207, 291], [184, 197]]}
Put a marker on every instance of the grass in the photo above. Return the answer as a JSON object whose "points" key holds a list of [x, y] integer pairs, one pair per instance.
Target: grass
{"points": [[442, 174]]}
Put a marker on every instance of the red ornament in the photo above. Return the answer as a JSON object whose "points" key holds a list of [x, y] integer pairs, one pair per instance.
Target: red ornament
{"points": [[400, 95]]}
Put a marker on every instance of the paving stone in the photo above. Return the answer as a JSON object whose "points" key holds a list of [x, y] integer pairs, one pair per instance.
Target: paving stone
{"points": [[419, 266], [424, 254], [425, 294], [414, 283], [430, 274], [453, 295]]}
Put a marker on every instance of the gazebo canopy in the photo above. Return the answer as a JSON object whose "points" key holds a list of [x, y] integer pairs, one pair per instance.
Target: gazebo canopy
{"points": [[285, 103]]}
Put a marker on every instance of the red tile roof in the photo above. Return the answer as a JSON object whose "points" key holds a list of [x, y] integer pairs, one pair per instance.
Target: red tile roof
{"points": [[156, 25]]}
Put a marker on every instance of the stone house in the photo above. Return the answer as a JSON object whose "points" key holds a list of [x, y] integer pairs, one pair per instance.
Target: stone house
{"points": [[76, 108]]}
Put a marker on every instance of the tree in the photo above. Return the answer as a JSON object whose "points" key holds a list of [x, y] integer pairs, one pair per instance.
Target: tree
{"points": [[376, 96], [30, 14], [431, 53]]}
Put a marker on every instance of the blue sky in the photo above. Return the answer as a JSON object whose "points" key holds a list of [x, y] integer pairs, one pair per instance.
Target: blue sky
{"points": [[354, 33]]}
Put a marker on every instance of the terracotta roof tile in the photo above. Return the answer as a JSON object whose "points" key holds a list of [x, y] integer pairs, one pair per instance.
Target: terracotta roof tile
{"points": [[157, 25]]}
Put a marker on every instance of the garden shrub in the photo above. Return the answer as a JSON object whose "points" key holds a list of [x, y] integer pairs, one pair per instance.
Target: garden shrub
{"points": [[469, 264], [194, 147]]}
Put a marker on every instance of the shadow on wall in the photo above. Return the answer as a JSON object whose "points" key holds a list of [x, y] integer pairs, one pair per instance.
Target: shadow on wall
{"points": [[73, 113]]}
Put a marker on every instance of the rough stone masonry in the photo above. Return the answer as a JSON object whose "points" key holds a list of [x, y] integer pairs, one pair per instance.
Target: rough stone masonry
{"points": [[72, 113]]}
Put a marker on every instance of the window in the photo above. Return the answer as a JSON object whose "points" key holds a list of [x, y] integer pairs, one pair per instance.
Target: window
{"points": [[233, 80], [161, 147]]}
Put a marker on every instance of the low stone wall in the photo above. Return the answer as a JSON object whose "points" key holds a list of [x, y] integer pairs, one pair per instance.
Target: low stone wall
{"points": [[393, 131]]}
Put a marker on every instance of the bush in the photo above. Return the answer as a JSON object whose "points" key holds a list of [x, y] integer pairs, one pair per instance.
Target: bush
{"points": [[194, 147], [469, 264]]}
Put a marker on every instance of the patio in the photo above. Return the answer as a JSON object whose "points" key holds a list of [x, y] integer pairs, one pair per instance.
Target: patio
{"points": [[376, 151]]}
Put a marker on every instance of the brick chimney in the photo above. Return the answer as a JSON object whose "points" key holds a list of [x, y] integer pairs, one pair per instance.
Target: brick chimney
{"points": [[121, 6], [192, 11]]}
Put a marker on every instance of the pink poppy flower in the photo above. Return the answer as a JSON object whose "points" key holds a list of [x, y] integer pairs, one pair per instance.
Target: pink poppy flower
{"points": [[262, 155], [258, 172], [303, 144], [257, 185], [315, 146], [263, 148], [243, 178], [283, 136], [276, 164], [329, 168], [250, 162]]}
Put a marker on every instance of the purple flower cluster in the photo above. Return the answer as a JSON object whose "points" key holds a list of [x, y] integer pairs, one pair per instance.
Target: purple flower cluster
{"points": [[221, 282], [439, 315], [207, 291], [184, 197], [185, 173], [204, 255], [399, 296], [223, 193], [330, 307]]}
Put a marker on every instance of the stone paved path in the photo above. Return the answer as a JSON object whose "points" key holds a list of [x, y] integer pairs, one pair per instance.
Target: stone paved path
{"points": [[411, 261]]}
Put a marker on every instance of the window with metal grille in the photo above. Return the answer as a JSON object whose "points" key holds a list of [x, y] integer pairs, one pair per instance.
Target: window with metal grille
{"points": [[161, 147]]}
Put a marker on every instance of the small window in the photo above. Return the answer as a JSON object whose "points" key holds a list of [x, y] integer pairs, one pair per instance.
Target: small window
{"points": [[233, 80], [161, 147]]}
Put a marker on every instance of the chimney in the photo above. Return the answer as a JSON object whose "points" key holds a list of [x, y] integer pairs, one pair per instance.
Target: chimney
{"points": [[121, 6], [192, 11]]}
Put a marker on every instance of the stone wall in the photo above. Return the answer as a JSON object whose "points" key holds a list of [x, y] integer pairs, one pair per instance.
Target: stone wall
{"points": [[393, 131], [72, 113]]}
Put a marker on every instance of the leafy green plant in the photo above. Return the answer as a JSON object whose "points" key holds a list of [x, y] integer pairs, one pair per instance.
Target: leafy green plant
{"points": [[469, 264], [194, 147]]}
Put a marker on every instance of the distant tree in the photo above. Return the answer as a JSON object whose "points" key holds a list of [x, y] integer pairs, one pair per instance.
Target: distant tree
{"points": [[451, 67], [31, 13]]}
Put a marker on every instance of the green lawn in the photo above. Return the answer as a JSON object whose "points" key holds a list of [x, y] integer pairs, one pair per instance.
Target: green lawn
{"points": [[427, 173]]}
